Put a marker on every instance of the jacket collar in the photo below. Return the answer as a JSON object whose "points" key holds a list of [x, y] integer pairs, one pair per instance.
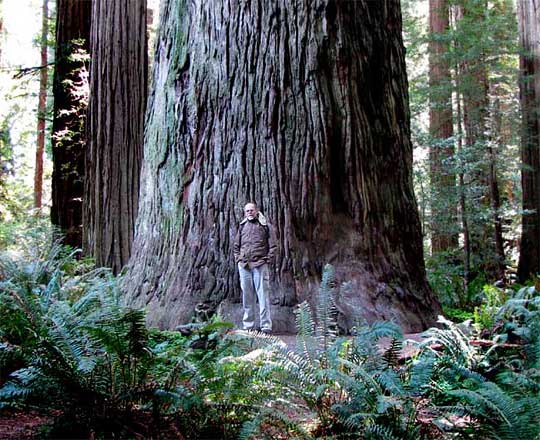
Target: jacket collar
{"points": [[260, 217]]}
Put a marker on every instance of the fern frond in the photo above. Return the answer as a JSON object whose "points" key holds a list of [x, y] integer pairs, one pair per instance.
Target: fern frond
{"points": [[22, 383], [306, 342], [421, 371], [392, 353], [253, 430], [379, 330], [455, 343], [326, 311], [379, 432], [390, 382]]}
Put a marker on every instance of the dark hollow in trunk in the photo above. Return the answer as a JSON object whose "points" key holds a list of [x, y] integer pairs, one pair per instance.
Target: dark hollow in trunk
{"points": [[303, 108]]}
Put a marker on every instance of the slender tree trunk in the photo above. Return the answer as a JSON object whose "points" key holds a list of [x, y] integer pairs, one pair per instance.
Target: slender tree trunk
{"points": [[442, 177], [42, 108], [299, 106], [70, 90], [463, 204], [493, 146], [118, 91]]}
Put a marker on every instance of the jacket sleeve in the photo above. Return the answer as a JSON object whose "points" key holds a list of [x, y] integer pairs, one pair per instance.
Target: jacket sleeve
{"points": [[272, 246], [236, 246]]}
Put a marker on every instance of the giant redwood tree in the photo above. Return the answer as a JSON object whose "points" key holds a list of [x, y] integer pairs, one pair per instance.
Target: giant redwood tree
{"points": [[70, 105], [118, 91], [529, 29], [302, 107]]}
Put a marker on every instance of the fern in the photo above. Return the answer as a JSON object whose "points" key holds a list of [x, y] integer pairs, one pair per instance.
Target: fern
{"points": [[326, 329], [499, 413], [280, 424], [378, 432], [392, 353]]}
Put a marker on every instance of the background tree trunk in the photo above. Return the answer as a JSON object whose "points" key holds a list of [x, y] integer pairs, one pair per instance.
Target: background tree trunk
{"points": [[70, 90], [303, 108], [494, 146], [443, 179], [118, 91], [529, 29], [42, 107]]}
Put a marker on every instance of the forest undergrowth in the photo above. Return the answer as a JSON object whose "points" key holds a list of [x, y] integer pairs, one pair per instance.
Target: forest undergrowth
{"points": [[72, 351]]}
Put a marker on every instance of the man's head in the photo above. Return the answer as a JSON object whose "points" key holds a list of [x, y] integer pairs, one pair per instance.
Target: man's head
{"points": [[250, 211]]}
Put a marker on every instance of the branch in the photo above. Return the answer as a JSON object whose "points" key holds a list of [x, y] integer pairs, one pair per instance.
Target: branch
{"points": [[23, 71]]}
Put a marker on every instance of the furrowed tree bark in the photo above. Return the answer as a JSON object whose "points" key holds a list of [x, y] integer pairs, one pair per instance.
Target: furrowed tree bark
{"points": [[42, 108], [303, 108], [70, 90], [529, 29], [443, 180], [118, 91]]}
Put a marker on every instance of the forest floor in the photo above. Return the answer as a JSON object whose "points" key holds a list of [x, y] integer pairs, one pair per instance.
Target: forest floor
{"points": [[22, 425]]}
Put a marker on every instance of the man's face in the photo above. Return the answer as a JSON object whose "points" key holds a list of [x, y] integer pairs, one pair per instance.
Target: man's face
{"points": [[250, 211]]}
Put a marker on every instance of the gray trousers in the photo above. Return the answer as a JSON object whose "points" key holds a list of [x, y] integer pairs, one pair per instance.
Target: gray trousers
{"points": [[255, 283]]}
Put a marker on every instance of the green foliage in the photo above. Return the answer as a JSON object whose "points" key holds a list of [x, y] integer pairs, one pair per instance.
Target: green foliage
{"points": [[494, 385], [493, 299], [352, 387], [356, 390], [68, 343], [446, 279], [81, 351], [457, 315], [481, 40]]}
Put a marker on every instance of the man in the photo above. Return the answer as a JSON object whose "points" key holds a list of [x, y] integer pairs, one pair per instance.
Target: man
{"points": [[254, 248]]}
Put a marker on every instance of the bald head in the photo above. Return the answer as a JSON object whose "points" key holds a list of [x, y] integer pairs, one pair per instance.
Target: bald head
{"points": [[250, 211]]}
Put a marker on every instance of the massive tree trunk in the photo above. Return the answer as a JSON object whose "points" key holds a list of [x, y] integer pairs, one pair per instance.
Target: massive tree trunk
{"points": [[443, 179], [529, 29], [118, 91], [303, 108], [70, 90], [42, 107]]}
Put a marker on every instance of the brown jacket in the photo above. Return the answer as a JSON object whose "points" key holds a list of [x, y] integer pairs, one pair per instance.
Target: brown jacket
{"points": [[254, 243]]}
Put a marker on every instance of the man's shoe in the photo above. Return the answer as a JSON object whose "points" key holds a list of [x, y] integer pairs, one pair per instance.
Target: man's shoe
{"points": [[267, 331]]}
